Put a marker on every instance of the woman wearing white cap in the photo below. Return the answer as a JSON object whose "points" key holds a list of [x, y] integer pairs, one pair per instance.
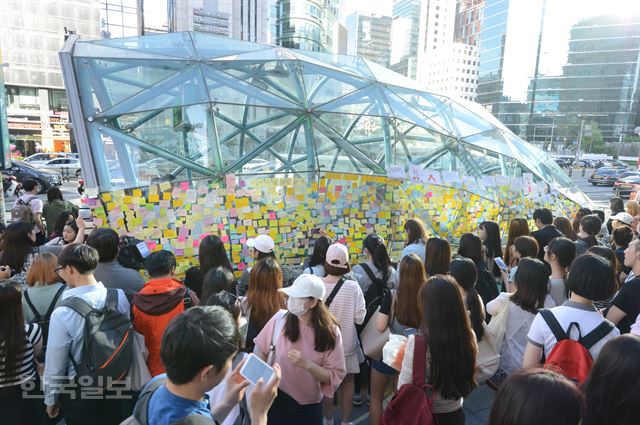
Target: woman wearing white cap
{"points": [[345, 300], [262, 246], [308, 348]]}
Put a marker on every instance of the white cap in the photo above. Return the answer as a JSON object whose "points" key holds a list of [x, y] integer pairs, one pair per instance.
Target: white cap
{"points": [[306, 285], [262, 243], [623, 217]]}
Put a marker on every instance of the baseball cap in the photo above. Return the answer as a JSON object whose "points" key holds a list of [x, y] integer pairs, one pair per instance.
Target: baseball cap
{"points": [[262, 243], [624, 218], [338, 256], [306, 285]]}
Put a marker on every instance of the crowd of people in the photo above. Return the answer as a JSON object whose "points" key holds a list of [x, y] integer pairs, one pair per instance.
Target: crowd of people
{"points": [[86, 339]]}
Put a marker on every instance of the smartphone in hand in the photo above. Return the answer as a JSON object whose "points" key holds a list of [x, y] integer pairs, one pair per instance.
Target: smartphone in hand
{"points": [[500, 263], [254, 369]]}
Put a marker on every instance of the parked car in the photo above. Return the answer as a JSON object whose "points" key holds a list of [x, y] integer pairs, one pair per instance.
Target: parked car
{"points": [[614, 163], [41, 158], [65, 166], [44, 179], [629, 174], [564, 162], [605, 176], [627, 185]]}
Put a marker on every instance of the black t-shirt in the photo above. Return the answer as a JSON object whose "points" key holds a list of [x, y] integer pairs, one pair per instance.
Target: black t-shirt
{"points": [[628, 300]]}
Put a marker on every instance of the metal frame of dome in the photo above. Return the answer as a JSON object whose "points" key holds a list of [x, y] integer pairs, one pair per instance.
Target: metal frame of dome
{"points": [[208, 106]]}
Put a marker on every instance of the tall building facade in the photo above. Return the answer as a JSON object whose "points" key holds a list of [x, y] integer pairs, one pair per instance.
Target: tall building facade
{"points": [[405, 36], [306, 24], [208, 16], [547, 68], [31, 34], [369, 36], [468, 21], [119, 18]]}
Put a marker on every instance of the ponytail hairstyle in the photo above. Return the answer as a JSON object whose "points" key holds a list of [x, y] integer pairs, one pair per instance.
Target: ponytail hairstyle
{"points": [[564, 249], [465, 272], [591, 224], [379, 255], [323, 323]]}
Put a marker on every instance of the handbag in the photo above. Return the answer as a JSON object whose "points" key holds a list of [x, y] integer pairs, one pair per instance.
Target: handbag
{"points": [[277, 329], [498, 324], [372, 339], [139, 372], [488, 360]]}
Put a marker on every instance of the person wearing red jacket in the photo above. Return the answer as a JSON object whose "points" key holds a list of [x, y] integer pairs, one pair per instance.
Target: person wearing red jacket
{"points": [[160, 300]]}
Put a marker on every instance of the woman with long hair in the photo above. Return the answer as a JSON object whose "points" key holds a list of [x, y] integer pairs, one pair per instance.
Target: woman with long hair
{"points": [[451, 349], [216, 280], [416, 240], [17, 248], [517, 227], [20, 344], [55, 206], [582, 212], [437, 256], [260, 247], [559, 254], [612, 391], [316, 262], [471, 247], [308, 349], [211, 254], [72, 232], [263, 299], [489, 233], [566, 228], [465, 273], [378, 265], [56, 228], [400, 312], [587, 233], [531, 294]]}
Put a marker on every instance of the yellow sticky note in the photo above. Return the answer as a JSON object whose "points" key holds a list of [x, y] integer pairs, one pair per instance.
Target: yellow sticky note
{"points": [[106, 197], [154, 198], [137, 193], [170, 234]]}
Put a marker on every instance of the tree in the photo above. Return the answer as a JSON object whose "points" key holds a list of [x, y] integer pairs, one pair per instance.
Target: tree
{"points": [[593, 143]]}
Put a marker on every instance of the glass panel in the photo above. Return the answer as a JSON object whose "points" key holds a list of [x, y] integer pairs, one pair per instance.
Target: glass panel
{"points": [[211, 47], [177, 44], [494, 141], [405, 111], [352, 64], [433, 107], [323, 85], [417, 143], [367, 101], [466, 122], [387, 76]]}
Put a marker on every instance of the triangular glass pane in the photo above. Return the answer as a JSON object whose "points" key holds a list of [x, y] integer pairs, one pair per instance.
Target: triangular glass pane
{"points": [[211, 46], [405, 111], [176, 44], [91, 49], [492, 140], [323, 85], [386, 76], [271, 54], [481, 112], [281, 78], [353, 64], [224, 88], [293, 149], [366, 101], [434, 107], [466, 122], [415, 142], [186, 88]]}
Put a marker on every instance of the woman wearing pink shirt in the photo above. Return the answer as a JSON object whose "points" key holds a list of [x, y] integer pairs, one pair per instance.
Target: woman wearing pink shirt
{"points": [[309, 352]]}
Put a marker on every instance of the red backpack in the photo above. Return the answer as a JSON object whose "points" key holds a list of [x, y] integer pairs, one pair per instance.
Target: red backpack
{"points": [[570, 357], [413, 404]]}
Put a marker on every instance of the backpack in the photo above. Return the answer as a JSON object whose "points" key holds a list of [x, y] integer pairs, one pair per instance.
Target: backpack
{"points": [[22, 211], [570, 357], [107, 348], [373, 295], [413, 403], [43, 321], [141, 411], [129, 255]]}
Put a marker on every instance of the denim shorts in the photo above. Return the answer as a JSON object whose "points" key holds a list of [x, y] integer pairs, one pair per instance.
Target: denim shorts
{"points": [[383, 368]]}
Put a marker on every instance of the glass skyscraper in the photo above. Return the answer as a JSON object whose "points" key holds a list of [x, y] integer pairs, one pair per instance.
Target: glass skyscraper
{"points": [[306, 24], [549, 67]]}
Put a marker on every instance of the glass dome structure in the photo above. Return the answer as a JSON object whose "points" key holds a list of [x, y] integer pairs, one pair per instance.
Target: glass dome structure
{"points": [[186, 105]]}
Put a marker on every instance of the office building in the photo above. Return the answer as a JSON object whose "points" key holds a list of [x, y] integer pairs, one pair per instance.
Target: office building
{"points": [[369, 36], [306, 24], [468, 21], [452, 71], [405, 35]]}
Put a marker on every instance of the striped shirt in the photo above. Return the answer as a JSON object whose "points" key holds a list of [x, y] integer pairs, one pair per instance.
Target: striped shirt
{"points": [[25, 365], [557, 290], [349, 309]]}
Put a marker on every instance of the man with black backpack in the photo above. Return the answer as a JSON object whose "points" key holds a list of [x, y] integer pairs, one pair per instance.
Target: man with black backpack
{"points": [[90, 345]]}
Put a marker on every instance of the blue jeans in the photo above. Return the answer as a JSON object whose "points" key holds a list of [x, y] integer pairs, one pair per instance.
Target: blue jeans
{"points": [[286, 411]]}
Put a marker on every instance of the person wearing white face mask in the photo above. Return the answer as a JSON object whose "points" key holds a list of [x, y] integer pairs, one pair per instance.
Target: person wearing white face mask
{"points": [[309, 352]]}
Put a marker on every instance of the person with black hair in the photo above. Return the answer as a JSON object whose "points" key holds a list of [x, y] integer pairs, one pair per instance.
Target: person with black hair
{"points": [[587, 232], [591, 278], [471, 247], [52, 209], [603, 236], [377, 266], [211, 254], [20, 345], [437, 256], [197, 351], [612, 391], [465, 273], [537, 397], [55, 230], [66, 340], [31, 201], [620, 240], [17, 249], [626, 304], [316, 262], [416, 238], [523, 247], [262, 246], [451, 349], [161, 299], [530, 294], [616, 204], [603, 251], [489, 233], [559, 254], [216, 280], [579, 214], [543, 219], [109, 271], [72, 232]]}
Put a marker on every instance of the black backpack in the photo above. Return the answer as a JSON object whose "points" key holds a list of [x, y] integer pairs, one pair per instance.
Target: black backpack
{"points": [[43, 320], [107, 348], [129, 255], [373, 295]]}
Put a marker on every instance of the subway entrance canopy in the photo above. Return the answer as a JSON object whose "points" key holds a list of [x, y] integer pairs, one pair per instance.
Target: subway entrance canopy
{"points": [[173, 110]]}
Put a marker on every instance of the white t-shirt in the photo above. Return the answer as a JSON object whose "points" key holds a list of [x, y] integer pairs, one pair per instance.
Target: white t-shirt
{"points": [[35, 205], [317, 270], [586, 316]]}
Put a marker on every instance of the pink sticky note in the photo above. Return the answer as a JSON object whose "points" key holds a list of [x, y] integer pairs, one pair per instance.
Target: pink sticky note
{"points": [[196, 243], [338, 188], [241, 266], [152, 245], [232, 212], [224, 238], [429, 194], [272, 216], [204, 235], [220, 226], [184, 185]]}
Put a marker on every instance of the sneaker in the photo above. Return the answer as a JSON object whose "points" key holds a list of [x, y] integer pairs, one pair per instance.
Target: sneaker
{"points": [[357, 400]]}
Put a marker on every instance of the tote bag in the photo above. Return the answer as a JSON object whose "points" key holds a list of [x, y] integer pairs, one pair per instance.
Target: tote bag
{"points": [[371, 338], [498, 324], [488, 360], [139, 372]]}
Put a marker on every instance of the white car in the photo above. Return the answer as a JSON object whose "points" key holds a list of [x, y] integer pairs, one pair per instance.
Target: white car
{"points": [[42, 158], [65, 166]]}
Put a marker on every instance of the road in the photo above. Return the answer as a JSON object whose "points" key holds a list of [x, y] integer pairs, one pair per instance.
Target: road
{"points": [[599, 194]]}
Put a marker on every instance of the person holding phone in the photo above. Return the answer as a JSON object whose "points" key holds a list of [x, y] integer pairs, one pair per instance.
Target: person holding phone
{"points": [[308, 348]]}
